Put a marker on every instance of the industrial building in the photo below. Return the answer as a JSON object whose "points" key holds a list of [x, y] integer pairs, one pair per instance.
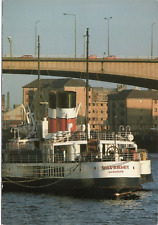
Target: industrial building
{"points": [[135, 108], [97, 99]]}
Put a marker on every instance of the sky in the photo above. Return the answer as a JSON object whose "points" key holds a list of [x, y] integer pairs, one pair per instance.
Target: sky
{"points": [[129, 31]]}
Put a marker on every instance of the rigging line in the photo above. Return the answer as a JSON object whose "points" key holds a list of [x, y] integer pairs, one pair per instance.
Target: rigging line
{"points": [[42, 186], [60, 179], [6, 172]]}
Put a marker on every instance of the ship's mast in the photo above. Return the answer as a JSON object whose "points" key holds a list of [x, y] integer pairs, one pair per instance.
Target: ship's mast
{"points": [[87, 88], [38, 108]]}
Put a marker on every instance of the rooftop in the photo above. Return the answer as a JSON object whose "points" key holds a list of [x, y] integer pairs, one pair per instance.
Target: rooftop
{"points": [[57, 83], [135, 94]]}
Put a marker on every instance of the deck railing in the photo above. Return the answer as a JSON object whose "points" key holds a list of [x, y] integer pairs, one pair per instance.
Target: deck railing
{"points": [[69, 158]]}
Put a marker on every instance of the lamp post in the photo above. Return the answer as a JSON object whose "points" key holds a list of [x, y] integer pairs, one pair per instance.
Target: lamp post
{"points": [[68, 14], [152, 40], [108, 31], [10, 41], [36, 36], [84, 46]]}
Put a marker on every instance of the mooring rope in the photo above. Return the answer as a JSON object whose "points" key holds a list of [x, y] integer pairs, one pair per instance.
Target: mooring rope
{"points": [[41, 186]]}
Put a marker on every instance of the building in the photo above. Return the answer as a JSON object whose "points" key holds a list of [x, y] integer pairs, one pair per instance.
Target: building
{"points": [[135, 108], [3, 103], [46, 85], [13, 117], [97, 108], [97, 99]]}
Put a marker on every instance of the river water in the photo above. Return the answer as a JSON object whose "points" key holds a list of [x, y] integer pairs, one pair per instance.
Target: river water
{"points": [[40, 209]]}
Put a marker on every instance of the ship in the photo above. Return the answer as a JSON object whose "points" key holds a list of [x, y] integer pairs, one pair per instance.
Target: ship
{"points": [[57, 155], [60, 157]]}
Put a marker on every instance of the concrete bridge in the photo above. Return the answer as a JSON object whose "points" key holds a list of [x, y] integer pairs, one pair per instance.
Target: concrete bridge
{"points": [[137, 72]]}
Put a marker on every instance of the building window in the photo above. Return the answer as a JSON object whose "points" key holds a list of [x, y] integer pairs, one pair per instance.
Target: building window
{"points": [[101, 104], [155, 109], [93, 111], [93, 118], [101, 111], [155, 101], [93, 126], [89, 104], [93, 104]]}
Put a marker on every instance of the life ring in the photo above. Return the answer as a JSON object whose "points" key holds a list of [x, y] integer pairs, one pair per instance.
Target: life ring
{"points": [[112, 149]]}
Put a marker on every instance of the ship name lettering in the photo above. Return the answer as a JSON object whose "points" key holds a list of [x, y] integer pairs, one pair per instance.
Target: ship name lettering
{"points": [[125, 167]]}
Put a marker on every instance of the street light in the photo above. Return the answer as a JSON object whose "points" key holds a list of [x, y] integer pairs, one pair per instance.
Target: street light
{"points": [[108, 31], [68, 14], [36, 36], [10, 41], [152, 40], [84, 36]]}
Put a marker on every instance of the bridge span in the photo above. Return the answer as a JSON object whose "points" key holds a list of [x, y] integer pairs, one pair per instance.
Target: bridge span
{"points": [[137, 72]]}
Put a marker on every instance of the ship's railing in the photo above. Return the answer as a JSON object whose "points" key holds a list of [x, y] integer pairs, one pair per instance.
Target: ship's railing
{"points": [[67, 158], [73, 136]]}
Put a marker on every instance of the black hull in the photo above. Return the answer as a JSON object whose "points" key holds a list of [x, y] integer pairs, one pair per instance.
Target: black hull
{"points": [[146, 178], [74, 187]]}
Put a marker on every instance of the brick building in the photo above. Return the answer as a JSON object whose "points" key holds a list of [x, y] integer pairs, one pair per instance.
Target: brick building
{"points": [[97, 104], [12, 117], [47, 85], [136, 108]]}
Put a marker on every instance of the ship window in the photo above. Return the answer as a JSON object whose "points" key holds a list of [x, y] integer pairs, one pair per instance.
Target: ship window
{"points": [[49, 171], [62, 171], [52, 172], [59, 171]]}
